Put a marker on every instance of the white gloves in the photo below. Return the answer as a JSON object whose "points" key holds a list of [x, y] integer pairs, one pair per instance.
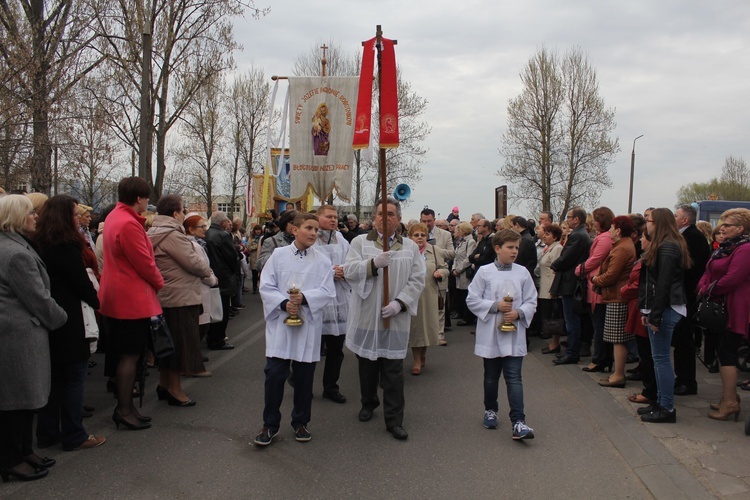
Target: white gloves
{"points": [[382, 259], [392, 309]]}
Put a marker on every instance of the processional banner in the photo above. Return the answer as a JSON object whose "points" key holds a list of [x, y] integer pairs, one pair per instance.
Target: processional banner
{"points": [[321, 116]]}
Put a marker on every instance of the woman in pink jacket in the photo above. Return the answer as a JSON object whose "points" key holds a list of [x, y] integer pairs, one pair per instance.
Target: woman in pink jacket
{"points": [[602, 352], [728, 276], [127, 293]]}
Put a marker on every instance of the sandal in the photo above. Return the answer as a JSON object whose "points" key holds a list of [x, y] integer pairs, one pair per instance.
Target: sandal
{"points": [[640, 399]]}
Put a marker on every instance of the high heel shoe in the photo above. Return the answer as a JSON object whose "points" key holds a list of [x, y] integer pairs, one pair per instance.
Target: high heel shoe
{"points": [[598, 368], [117, 418], [725, 411], [32, 476], [547, 350], [716, 406], [42, 463], [173, 401], [161, 393]]}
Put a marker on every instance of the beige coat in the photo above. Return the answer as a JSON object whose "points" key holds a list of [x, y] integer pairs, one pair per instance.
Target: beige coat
{"points": [[178, 262], [547, 275], [461, 262], [424, 326]]}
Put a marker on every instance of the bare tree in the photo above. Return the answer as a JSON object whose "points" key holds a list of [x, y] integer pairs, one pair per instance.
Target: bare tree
{"points": [[15, 137], [735, 171], [91, 154], [192, 44], [203, 125], [557, 144], [247, 111], [46, 45], [339, 62]]}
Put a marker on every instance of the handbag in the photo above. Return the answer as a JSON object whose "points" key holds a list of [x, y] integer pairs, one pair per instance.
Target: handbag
{"points": [[215, 309], [555, 324], [711, 314], [579, 294], [161, 337]]}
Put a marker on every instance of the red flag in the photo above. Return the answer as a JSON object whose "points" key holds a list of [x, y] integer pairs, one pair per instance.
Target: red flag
{"points": [[388, 97]]}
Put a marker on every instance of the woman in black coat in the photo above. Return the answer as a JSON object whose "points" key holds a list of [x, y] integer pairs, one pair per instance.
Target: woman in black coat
{"points": [[65, 253]]}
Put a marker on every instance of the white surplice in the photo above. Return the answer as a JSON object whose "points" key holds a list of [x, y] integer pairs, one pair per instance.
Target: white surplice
{"points": [[312, 274], [335, 247], [366, 335], [487, 289]]}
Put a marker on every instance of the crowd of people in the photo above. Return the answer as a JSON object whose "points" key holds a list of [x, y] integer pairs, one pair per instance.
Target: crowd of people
{"points": [[618, 289]]}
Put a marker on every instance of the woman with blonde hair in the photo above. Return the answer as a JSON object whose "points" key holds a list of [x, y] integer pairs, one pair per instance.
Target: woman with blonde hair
{"points": [[727, 276], [29, 313], [465, 246], [424, 326], [707, 230], [37, 201]]}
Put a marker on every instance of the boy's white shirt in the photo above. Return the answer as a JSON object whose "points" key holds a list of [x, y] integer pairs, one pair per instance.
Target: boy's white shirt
{"points": [[487, 289]]}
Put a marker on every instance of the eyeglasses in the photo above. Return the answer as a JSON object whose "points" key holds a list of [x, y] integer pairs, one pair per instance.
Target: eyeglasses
{"points": [[730, 225], [202, 227], [419, 235]]}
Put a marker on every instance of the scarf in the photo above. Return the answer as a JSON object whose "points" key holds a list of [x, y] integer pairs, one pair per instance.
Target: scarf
{"points": [[728, 246], [289, 238]]}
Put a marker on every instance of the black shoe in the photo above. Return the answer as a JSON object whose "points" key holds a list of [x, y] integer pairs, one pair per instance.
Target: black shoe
{"points": [[223, 347], [43, 463], [634, 376], [646, 409], [334, 396], [92, 364], [547, 350], [301, 434], [32, 476], [173, 401], [632, 359], [560, 355], [398, 432], [117, 418], [86, 414], [365, 414], [566, 360], [265, 436], [205, 359], [633, 370], [685, 390], [598, 368], [660, 416], [463, 323]]}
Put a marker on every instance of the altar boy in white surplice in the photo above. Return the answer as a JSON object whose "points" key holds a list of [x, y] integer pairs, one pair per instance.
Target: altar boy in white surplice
{"points": [[297, 266], [503, 351]]}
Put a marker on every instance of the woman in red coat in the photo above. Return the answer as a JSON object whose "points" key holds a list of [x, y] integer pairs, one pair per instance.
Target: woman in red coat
{"points": [[127, 292]]}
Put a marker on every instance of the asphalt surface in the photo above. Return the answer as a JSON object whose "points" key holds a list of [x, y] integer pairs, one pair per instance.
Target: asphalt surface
{"points": [[587, 445]]}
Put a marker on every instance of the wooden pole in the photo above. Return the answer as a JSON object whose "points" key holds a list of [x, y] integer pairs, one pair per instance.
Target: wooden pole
{"points": [[383, 187]]}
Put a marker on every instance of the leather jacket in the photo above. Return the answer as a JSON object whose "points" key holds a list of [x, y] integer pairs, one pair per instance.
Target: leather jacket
{"points": [[662, 285]]}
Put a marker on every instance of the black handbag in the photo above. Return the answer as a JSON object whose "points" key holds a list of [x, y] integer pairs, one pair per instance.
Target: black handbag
{"points": [[161, 338], [555, 324], [711, 314], [580, 298]]}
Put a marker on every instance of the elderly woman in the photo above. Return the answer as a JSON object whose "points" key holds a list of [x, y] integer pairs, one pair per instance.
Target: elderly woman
{"points": [[84, 214], [550, 307], [465, 246], [181, 298], [613, 276], [602, 244], [424, 326], [68, 258], [29, 312], [127, 294], [727, 276], [195, 227]]}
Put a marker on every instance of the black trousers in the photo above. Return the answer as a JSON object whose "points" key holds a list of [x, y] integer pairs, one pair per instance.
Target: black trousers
{"points": [[389, 374], [647, 367], [277, 371], [218, 331], [334, 359], [15, 436], [683, 342]]}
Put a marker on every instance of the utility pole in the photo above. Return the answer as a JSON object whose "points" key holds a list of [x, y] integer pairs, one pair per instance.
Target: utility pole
{"points": [[632, 170]]}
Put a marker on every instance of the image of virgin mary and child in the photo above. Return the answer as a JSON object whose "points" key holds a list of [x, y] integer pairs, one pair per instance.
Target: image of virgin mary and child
{"points": [[320, 130]]}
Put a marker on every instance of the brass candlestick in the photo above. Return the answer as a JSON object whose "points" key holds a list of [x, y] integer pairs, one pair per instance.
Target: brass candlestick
{"points": [[507, 326], [293, 319]]}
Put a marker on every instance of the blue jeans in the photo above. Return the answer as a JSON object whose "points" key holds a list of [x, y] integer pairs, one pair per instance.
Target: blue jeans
{"points": [[572, 327], [62, 418], [661, 347], [277, 371], [493, 368]]}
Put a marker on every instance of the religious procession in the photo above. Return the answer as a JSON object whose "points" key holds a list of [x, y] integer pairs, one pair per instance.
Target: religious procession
{"points": [[150, 288]]}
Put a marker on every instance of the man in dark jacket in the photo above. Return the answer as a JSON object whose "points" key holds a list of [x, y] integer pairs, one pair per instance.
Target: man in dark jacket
{"points": [[684, 330], [225, 265], [574, 253], [527, 249]]}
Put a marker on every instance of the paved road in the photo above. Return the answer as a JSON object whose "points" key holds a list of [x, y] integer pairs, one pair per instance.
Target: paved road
{"points": [[587, 444]]}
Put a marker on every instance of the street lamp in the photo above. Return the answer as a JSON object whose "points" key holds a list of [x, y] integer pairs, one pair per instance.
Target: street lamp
{"points": [[632, 170]]}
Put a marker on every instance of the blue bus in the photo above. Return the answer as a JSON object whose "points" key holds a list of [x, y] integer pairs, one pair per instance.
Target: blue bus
{"points": [[711, 210]]}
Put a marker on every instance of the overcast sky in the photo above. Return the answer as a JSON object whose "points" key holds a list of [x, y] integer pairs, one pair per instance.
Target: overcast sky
{"points": [[674, 70]]}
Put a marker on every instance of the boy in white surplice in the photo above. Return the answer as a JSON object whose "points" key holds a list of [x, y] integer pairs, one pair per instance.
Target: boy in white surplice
{"points": [[503, 294], [302, 268]]}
